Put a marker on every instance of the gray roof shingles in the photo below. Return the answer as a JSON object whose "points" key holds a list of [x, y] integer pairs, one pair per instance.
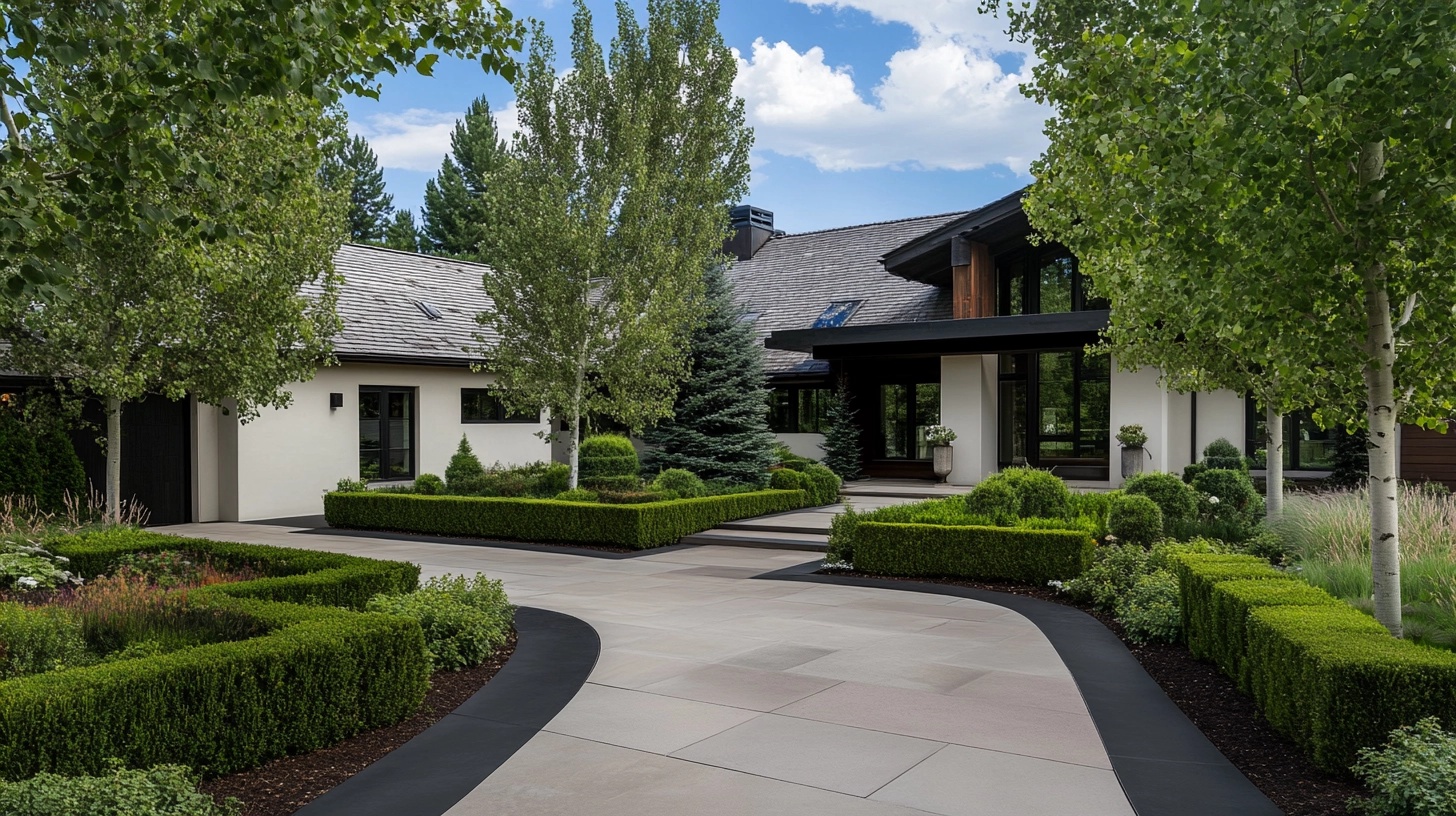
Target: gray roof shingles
{"points": [[791, 280]]}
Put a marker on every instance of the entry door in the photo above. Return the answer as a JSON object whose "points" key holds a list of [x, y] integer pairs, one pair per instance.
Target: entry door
{"points": [[386, 433], [1055, 408], [906, 410]]}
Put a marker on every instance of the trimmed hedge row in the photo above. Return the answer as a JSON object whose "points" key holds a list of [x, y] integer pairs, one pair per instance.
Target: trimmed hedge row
{"points": [[320, 675], [1325, 674], [635, 526], [982, 553]]}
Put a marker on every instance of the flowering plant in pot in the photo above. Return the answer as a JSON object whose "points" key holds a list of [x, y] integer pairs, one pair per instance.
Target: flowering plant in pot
{"points": [[939, 438], [1132, 438]]}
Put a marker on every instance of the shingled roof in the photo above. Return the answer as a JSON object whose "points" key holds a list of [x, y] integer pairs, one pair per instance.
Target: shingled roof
{"points": [[378, 303], [793, 278]]}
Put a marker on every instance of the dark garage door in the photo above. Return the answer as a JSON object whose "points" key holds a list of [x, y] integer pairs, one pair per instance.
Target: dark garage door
{"points": [[156, 455]]}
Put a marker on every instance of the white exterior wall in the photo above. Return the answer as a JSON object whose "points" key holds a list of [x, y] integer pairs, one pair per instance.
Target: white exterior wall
{"points": [[808, 445], [1220, 415], [281, 463], [968, 390], [1138, 399]]}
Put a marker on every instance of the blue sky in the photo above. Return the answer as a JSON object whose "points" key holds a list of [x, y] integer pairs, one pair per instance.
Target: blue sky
{"points": [[863, 110]]}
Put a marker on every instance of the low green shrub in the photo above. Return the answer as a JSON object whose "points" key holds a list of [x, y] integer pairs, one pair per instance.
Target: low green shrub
{"points": [[842, 530], [620, 484], [787, 479], [1177, 501], [465, 620], [1041, 494], [554, 479], [980, 553], [1230, 496], [1190, 472], [463, 466], [822, 484], [1212, 636], [351, 486], [428, 484], [39, 639], [684, 483], [994, 499], [1149, 611], [1094, 507], [1222, 454], [579, 494], [607, 455], [1110, 575], [163, 790], [1414, 774], [1135, 519], [639, 526]]}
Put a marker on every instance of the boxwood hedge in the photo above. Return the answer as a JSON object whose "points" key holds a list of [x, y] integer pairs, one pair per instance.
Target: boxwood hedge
{"points": [[981, 553], [635, 526], [319, 675], [1325, 674]]}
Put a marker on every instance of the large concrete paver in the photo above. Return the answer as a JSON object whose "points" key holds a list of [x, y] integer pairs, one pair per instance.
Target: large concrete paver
{"points": [[718, 694]]}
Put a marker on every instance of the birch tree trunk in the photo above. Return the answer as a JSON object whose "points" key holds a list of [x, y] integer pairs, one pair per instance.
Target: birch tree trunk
{"points": [[113, 460], [1384, 481], [1274, 465]]}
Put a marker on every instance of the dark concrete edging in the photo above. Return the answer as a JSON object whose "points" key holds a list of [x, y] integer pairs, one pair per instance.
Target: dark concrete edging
{"points": [[427, 775], [1166, 766]]}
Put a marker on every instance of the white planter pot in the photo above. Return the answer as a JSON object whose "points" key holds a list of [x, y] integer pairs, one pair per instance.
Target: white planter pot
{"points": [[1132, 461], [942, 460]]}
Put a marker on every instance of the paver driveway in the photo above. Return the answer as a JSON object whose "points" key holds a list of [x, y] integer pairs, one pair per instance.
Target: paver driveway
{"points": [[718, 694]]}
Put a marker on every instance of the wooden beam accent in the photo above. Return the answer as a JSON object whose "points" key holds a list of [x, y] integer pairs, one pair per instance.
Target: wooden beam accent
{"points": [[973, 280]]}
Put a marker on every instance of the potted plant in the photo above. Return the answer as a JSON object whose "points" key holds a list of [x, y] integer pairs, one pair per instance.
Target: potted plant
{"points": [[939, 438], [1132, 438]]}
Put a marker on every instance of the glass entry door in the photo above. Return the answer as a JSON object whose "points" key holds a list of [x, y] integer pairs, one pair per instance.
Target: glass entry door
{"points": [[906, 410], [1055, 409], [386, 433]]}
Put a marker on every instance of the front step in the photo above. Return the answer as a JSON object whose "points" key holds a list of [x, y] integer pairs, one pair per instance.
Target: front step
{"points": [[808, 542], [749, 526]]}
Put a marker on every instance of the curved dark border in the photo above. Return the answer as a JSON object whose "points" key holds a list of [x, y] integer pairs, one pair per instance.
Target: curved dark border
{"points": [[1166, 766], [429, 774]]}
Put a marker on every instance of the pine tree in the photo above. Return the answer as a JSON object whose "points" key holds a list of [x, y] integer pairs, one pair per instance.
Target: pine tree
{"points": [[351, 165], [402, 232], [453, 215], [841, 438], [720, 428]]}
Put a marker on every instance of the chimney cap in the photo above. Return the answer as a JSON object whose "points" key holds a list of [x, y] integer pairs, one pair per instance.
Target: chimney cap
{"points": [[749, 215]]}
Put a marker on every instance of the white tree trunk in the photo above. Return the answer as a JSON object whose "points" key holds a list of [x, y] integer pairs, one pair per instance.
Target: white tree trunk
{"points": [[1274, 465], [1384, 481], [113, 460]]}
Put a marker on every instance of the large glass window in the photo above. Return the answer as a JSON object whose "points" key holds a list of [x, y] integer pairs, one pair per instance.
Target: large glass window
{"points": [[906, 410], [798, 409], [1054, 412], [386, 433], [1307, 446], [479, 405], [1042, 280]]}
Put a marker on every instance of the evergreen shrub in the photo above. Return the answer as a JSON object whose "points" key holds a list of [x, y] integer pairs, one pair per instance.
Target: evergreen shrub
{"points": [[995, 499], [619, 484], [1135, 519], [39, 639], [978, 553], [1149, 611], [607, 455], [684, 483], [464, 466], [637, 527], [842, 452], [1041, 494], [1177, 501], [428, 484], [60, 472], [822, 484], [1222, 454], [20, 462], [553, 480], [787, 479], [1232, 497]]}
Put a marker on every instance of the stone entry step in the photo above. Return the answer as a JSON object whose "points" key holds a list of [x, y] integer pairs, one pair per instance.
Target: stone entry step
{"points": [[808, 542]]}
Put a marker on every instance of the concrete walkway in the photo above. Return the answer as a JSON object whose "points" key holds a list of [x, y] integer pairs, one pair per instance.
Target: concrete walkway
{"points": [[717, 694], [805, 529]]}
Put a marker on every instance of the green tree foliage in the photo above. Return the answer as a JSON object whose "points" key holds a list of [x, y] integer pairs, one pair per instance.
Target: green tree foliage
{"points": [[1300, 155], [454, 215], [719, 428], [350, 166], [154, 71], [613, 204], [842, 453], [20, 465], [61, 473], [464, 465], [232, 320], [402, 232]]}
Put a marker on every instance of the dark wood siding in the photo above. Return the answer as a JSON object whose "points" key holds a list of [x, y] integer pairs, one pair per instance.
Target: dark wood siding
{"points": [[156, 455], [1428, 456]]}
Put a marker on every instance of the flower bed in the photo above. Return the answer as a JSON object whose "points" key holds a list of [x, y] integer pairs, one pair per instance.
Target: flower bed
{"points": [[317, 674], [634, 526]]}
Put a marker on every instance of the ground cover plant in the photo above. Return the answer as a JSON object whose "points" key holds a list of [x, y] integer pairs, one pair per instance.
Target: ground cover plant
{"points": [[163, 790]]}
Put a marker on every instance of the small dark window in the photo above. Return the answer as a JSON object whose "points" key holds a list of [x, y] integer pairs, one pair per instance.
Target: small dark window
{"points": [[798, 409], [386, 433], [837, 314], [479, 405], [1307, 446]]}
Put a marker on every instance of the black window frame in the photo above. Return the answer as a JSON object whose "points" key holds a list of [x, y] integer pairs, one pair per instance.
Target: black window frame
{"points": [[1023, 267], [794, 406], [1254, 414], [1023, 369], [499, 414], [909, 441], [384, 431]]}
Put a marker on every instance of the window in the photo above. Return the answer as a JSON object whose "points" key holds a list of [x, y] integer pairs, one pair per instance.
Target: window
{"points": [[386, 433], [906, 410], [1055, 409], [798, 409], [1307, 446], [1042, 280], [837, 314], [479, 405]]}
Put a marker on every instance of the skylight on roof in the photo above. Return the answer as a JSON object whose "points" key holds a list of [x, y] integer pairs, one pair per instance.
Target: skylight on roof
{"points": [[837, 314], [429, 311]]}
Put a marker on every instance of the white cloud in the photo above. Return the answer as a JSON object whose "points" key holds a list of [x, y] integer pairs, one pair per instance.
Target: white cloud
{"points": [[419, 138], [944, 104]]}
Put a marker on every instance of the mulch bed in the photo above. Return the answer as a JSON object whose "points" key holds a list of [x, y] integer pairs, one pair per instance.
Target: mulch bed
{"points": [[1228, 718], [284, 785]]}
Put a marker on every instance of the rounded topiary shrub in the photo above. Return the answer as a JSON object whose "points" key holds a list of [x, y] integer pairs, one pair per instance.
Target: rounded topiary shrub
{"points": [[580, 494], [1135, 520], [1222, 454], [1230, 494], [1178, 501], [428, 484], [1042, 494], [607, 455], [995, 499], [822, 483], [684, 483], [554, 479], [785, 479]]}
